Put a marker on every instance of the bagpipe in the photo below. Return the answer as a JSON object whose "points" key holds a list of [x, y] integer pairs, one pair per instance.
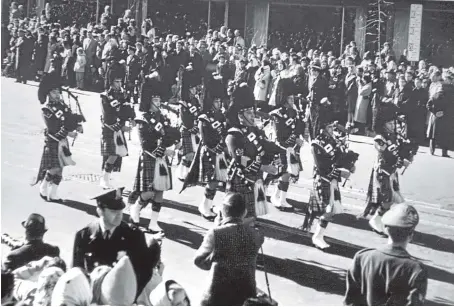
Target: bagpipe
{"points": [[127, 112], [75, 117], [407, 148]]}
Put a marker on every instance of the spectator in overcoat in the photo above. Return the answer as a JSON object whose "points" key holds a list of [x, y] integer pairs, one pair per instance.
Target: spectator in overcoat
{"points": [[230, 251], [34, 247]]}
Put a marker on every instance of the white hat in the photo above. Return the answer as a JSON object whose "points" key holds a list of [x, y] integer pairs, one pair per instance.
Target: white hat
{"points": [[119, 286], [72, 289]]}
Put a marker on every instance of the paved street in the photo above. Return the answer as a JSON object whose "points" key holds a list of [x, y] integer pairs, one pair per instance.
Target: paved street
{"points": [[299, 273]]}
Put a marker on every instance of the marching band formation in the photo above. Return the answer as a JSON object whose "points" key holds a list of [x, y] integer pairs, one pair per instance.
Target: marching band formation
{"points": [[221, 145]]}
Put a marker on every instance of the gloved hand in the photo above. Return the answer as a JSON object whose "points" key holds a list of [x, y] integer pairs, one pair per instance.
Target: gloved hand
{"points": [[159, 152], [219, 149], [253, 168], [335, 174]]}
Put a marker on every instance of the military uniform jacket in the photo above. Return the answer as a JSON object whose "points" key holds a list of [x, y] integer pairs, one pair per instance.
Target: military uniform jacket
{"points": [[388, 153], [318, 89], [385, 276], [155, 130], [326, 154], [111, 107], [212, 128], [54, 115], [189, 114], [91, 249], [288, 126], [249, 149]]}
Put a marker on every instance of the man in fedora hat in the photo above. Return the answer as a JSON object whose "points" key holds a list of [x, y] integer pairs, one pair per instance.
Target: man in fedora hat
{"points": [[389, 275], [34, 247]]}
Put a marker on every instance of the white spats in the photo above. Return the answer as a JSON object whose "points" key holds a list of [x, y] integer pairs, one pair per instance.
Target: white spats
{"points": [[376, 223], [105, 181], [318, 238], [153, 226]]}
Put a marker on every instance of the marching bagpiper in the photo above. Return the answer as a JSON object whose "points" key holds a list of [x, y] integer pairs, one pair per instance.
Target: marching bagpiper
{"points": [[251, 153], [60, 122], [394, 151], [116, 111], [333, 161], [153, 175], [210, 165], [288, 130], [189, 113]]}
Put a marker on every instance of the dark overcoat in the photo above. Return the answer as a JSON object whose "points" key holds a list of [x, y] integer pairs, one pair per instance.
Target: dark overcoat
{"points": [[30, 251]]}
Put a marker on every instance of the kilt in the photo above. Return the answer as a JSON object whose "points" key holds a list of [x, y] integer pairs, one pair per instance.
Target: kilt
{"points": [[207, 166], [187, 144], [320, 196], [49, 160], [143, 181], [108, 148], [247, 191], [382, 189]]}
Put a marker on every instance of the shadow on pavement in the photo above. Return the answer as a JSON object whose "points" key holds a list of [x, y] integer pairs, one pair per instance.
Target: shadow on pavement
{"points": [[438, 301], [182, 235], [89, 209], [433, 242], [304, 273], [422, 239], [280, 232]]}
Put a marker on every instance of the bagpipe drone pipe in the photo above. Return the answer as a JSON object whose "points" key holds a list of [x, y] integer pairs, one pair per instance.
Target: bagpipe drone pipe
{"points": [[74, 117]]}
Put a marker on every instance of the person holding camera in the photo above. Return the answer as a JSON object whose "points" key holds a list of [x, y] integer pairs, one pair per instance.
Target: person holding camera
{"points": [[229, 251]]}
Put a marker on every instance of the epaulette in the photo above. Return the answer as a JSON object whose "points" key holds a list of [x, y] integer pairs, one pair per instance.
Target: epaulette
{"points": [[204, 117], [378, 138], [276, 113], [234, 130], [141, 119]]}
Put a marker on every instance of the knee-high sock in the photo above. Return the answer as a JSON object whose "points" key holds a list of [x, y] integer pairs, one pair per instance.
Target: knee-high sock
{"points": [[283, 186]]}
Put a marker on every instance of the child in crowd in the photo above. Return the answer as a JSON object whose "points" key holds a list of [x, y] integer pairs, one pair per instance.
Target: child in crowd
{"points": [[79, 68]]}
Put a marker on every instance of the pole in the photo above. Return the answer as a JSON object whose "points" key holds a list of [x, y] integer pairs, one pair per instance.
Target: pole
{"points": [[342, 30], [379, 26], [97, 11], [226, 13], [209, 14], [28, 8], [111, 7]]}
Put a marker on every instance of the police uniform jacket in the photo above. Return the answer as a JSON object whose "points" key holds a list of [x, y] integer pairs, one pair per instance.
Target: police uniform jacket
{"points": [[91, 249], [230, 253], [385, 276], [30, 251], [288, 126]]}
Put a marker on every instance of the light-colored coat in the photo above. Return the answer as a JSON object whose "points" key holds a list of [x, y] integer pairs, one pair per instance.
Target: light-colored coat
{"points": [[262, 81], [364, 92], [230, 253]]}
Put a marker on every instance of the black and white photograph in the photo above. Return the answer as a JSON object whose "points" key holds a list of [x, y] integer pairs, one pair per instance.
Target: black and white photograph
{"points": [[227, 152]]}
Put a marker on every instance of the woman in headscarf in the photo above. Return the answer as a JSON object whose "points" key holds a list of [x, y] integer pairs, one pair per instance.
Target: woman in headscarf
{"points": [[72, 289]]}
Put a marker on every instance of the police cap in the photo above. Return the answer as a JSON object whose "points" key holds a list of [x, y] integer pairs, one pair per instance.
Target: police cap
{"points": [[111, 200], [401, 215]]}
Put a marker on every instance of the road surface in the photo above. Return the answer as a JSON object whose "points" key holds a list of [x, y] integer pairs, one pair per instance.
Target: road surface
{"points": [[298, 273]]}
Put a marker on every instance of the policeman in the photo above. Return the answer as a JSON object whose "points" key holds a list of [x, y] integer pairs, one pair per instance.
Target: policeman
{"points": [[101, 242], [389, 275]]}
